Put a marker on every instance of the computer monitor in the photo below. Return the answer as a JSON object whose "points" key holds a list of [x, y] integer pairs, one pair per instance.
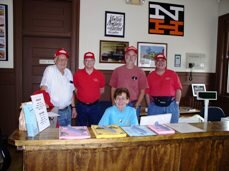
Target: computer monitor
{"points": [[151, 119], [197, 87]]}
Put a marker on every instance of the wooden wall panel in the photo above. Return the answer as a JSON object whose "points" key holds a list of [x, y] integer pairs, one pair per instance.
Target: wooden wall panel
{"points": [[9, 111], [47, 17]]}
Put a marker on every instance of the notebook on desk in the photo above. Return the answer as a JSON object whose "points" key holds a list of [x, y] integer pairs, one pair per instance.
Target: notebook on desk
{"points": [[152, 119]]}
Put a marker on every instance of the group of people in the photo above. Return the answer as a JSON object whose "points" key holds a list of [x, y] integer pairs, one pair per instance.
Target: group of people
{"points": [[77, 96]]}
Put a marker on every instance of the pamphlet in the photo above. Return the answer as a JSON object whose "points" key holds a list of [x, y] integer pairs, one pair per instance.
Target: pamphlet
{"points": [[111, 131], [73, 132], [161, 129], [138, 130], [30, 119], [40, 110]]}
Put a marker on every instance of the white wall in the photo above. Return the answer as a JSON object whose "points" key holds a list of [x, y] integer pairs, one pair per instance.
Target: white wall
{"points": [[223, 7], [200, 32]]}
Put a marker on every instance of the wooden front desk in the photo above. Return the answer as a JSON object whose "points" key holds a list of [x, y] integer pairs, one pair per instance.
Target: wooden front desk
{"points": [[207, 150]]}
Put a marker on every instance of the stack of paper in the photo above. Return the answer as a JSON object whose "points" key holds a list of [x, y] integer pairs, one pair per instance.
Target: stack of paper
{"points": [[74, 132], [111, 131], [138, 130], [185, 128]]}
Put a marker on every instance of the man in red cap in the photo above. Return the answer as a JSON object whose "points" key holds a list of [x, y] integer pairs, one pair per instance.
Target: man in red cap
{"points": [[131, 77], [164, 92], [57, 81], [89, 84]]}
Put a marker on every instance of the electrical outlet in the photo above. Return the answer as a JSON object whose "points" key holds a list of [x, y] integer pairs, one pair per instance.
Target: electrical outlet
{"points": [[195, 60]]}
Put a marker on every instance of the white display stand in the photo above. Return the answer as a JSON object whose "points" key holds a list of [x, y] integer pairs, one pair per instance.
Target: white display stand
{"points": [[206, 96]]}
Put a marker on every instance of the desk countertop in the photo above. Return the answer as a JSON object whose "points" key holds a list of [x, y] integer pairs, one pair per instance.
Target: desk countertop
{"points": [[50, 136]]}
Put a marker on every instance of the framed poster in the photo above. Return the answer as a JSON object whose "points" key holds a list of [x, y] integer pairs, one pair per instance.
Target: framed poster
{"points": [[112, 51], [197, 87], [114, 24], [147, 52], [6, 34]]}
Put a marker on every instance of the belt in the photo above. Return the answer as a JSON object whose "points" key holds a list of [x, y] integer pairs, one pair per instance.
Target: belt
{"points": [[64, 108], [163, 101], [154, 98], [88, 104]]}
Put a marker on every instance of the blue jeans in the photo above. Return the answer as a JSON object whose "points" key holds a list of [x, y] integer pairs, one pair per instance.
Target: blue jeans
{"points": [[173, 108], [65, 116], [138, 110], [88, 115]]}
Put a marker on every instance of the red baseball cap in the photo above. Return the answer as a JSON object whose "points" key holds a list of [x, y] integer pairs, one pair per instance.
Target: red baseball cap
{"points": [[132, 48], [61, 51], [89, 55], [160, 56]]}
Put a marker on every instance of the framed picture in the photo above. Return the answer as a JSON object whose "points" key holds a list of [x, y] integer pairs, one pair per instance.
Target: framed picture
{"points": [[114, 24], [6, 38], [197, 87], [112, 51], [147, 52]]}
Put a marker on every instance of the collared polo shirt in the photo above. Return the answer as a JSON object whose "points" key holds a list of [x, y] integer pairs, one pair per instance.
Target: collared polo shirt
{"points": [[163, 85], [88, 85], [132, 79], [59, 86]]}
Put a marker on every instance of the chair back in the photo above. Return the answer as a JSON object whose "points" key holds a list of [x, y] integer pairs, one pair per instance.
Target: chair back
{"points": [[214, 113]]}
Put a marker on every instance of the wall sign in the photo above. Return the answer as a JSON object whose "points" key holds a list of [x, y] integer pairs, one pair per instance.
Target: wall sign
{"points": [[114, 24], [166, 19], [177, 60]]}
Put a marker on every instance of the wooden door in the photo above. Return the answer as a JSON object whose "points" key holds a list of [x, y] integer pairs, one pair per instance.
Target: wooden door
{"points": [[47, 26], [36, 51], [222, 63]]}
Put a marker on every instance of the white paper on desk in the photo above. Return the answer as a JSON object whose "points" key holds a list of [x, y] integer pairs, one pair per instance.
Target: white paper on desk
{"points": [[152, 119], [40, 110], [185, 128]]}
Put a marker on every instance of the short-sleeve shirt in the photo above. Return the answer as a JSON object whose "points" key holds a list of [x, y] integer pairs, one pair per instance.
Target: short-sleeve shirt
{"points": [[113, 115], [133, 79], [59, 86], [163, 85], [88, 85]]}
